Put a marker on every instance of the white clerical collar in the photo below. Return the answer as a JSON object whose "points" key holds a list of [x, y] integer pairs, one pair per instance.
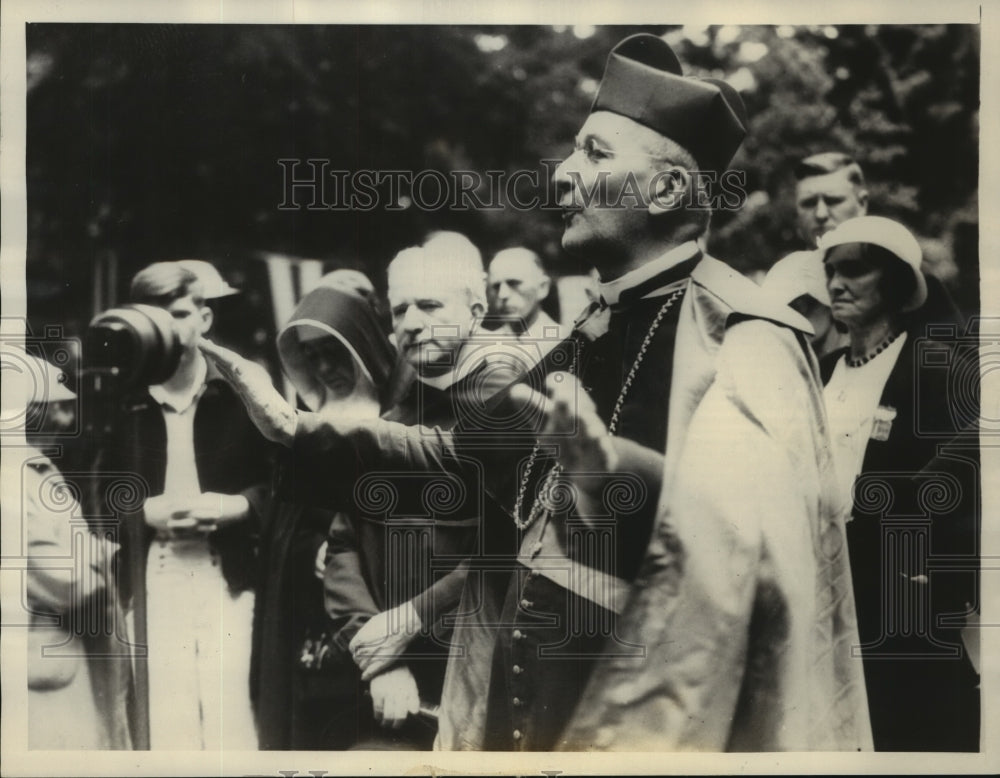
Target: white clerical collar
{"points": [[611, 291], [181, 401]]}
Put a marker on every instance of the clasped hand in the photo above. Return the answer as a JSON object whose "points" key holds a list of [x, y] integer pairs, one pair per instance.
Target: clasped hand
{"points": [[193, 513], [394, 696], [383, 639]]}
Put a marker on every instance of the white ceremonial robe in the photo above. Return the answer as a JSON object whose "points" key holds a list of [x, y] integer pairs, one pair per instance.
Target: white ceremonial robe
{"points": [[744, 603]]}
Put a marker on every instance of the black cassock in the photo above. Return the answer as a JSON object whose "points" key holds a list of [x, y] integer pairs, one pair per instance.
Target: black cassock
{"points": [[550, 636]]}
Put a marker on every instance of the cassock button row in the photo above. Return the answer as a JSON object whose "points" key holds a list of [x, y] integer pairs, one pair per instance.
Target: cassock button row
{"points": [[517, 669]]}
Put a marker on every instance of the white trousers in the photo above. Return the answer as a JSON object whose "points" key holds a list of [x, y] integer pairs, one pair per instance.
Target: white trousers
{"points": [[199, 651]]}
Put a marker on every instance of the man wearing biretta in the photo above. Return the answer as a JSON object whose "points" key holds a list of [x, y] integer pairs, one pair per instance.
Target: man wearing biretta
{"points": [[683, 598]]}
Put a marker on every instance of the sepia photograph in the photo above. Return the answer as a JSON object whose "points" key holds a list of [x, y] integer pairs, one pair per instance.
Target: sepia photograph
{"points": [[443, 388]]}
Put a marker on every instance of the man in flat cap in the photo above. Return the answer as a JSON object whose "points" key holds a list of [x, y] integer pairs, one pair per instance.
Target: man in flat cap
{"points": [[694, 608]]}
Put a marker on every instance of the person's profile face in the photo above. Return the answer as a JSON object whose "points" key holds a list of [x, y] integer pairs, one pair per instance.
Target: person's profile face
{"points": [[191, 321], [605, 185], [431, 317], [853, 283], [822, 202], [516, 287], [332, 365]]}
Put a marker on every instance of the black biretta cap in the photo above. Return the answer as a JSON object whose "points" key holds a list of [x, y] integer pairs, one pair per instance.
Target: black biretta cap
{"points": [[643, 81]]}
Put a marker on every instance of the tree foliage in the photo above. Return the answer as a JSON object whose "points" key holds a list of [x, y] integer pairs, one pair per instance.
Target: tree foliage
{"points": [[149, 142]]}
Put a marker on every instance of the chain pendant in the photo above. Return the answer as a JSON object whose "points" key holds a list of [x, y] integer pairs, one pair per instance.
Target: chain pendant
{"points": [[613, 424], [549, 478], [538, 506]]}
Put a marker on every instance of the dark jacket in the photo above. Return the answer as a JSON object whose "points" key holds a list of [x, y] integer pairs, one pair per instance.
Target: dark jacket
{"points": [[231, 457], [913, 549], [297, 705], [541, 668]]}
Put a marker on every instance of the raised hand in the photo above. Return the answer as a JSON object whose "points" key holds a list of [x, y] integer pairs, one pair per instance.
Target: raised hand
{"points": [[572, 424]]}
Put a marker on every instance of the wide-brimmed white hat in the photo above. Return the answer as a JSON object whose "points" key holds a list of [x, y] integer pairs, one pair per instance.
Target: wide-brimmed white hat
{"points": [[890, 235]]}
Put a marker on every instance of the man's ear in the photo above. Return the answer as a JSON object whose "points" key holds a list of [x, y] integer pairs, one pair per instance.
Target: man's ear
{"points": [[544, 287], [207, 317], [670, 187], [477, 309], [863, 201]]}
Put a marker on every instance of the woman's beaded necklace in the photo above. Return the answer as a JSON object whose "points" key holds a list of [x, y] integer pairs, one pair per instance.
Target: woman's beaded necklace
{"points": [[859, 361]]}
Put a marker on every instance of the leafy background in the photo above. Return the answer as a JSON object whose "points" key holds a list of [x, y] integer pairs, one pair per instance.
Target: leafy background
{"points": [[151, 142]]}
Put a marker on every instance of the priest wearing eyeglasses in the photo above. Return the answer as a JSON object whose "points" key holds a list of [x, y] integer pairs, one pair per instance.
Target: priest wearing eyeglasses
{"points": [[681, 581]]}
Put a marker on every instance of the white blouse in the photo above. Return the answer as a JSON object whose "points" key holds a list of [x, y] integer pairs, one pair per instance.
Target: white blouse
{"points": [[852, 402]]}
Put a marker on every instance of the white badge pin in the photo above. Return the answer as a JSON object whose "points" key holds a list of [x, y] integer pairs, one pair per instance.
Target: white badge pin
{"points": [[882, 423]]}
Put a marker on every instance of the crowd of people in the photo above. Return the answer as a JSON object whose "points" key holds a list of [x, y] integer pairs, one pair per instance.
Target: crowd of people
{"points": [[696, 515]]}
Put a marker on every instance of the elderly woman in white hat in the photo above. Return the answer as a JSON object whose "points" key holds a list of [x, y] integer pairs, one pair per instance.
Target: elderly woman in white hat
{"points": [[882, 397], [873, 274]]}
